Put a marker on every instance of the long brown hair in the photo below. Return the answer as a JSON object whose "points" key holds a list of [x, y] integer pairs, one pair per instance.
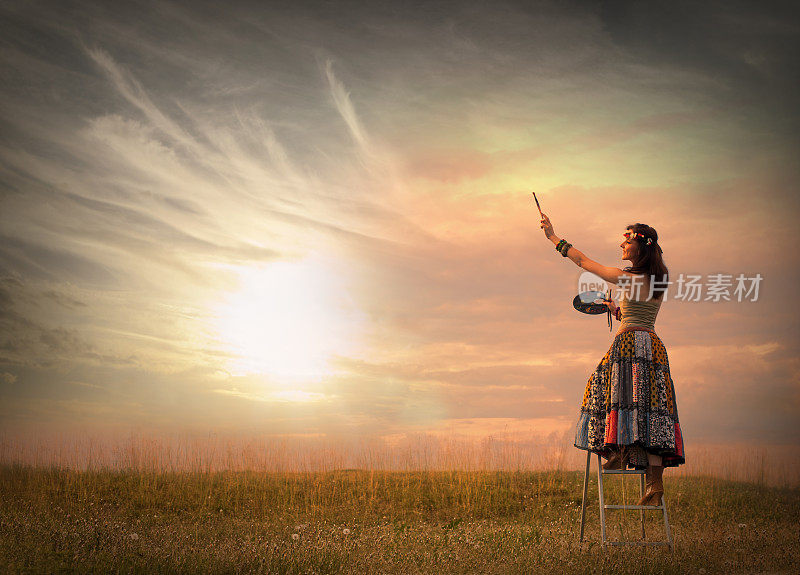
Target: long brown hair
{"points": [[649, 259]]}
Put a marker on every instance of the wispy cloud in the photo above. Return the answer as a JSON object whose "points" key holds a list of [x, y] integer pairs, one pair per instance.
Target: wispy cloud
{"points": [[345, 107], [284, 396], [133, 92]]}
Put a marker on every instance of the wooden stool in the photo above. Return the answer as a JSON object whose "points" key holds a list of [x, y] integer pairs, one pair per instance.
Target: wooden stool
{"points": [[603, 507]]}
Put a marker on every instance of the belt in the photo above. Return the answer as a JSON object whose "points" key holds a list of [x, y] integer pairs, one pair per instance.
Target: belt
{"points": [[636, 328]]}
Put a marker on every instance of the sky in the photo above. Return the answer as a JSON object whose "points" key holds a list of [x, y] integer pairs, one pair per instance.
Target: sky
{"points": [[315, 219]]}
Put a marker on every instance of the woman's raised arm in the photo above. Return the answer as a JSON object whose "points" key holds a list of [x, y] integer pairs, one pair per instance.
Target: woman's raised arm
{"points": [[572, 253], [610, 274]]}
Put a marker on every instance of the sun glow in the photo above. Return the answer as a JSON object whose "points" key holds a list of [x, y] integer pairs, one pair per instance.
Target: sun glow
{"points": [[288, 320]]}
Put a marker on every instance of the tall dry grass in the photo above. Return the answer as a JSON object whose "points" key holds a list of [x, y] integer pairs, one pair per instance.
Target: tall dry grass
{"points": [[762, 464], [419, 504]]}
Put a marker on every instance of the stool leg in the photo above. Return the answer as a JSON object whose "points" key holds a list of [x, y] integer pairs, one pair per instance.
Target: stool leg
{"points": [[666, 523], [641, 511], [602, 502], [585, 491]]}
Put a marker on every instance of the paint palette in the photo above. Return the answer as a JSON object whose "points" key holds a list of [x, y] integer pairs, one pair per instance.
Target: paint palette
{"points": [[591, 302]]}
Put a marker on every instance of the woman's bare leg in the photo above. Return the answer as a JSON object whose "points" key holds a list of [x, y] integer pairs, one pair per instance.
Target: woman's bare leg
{"points": [[653, 459]]}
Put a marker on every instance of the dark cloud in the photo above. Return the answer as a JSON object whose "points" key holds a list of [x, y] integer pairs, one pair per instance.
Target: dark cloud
{"points": [[750, 48], [63, 342], [64, 299], [28, 337], [40, 262]]}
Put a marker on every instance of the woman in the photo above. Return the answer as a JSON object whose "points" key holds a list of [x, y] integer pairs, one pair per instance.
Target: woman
{"points": [[629, 414]]}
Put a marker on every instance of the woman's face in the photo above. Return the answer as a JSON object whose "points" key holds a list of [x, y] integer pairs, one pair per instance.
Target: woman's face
{"points": [[629, 247]]}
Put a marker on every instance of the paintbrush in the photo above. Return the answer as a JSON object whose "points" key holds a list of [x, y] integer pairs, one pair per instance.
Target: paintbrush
{"points": [[537, 204]]}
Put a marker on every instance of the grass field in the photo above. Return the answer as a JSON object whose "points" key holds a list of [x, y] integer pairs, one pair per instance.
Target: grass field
{"points": [[355, 521]]}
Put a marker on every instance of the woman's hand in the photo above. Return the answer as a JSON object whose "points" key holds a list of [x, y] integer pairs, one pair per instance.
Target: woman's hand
{"points": [[611, 306], [547, 227]]}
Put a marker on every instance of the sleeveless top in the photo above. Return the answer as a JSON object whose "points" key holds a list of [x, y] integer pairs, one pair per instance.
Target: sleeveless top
{"points": [[639, 313]]}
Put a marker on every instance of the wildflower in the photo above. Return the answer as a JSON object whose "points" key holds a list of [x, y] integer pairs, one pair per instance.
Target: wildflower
{"points": [[295, 536], [134, 536], [346, 531]]}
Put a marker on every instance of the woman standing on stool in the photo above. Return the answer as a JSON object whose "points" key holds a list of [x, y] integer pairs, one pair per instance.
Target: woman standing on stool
{"points": [[629, 413]]}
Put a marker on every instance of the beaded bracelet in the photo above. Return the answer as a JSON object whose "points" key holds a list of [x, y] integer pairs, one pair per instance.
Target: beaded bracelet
{"points": [[565, 249], [560, 245]]}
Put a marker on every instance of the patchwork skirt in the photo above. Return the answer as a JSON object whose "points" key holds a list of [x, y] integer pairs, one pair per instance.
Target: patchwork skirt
{"points": [[630, 401]]}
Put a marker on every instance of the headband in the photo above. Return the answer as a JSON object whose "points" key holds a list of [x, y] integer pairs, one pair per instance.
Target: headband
{"points": [[638, 235]]}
